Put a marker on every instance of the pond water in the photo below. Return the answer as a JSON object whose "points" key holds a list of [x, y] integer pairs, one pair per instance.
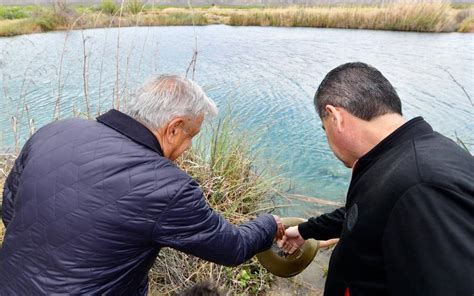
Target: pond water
{"points": [[267, 76]]}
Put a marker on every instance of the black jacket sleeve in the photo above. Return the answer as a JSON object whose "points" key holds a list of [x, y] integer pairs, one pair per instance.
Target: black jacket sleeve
{"points": [[324, 227], [190, 226], [428, 243]]}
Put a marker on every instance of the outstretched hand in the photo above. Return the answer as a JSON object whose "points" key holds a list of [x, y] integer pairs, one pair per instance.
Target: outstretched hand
{"points": [[328, 243], [292, 241]]}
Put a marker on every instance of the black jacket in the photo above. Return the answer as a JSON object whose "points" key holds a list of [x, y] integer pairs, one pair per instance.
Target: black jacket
{"points": [[409, 227], [89, 205]]}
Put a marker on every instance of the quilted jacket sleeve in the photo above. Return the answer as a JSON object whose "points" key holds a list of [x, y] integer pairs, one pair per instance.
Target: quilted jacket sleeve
{"points": [[190, 226], [11, 185]]}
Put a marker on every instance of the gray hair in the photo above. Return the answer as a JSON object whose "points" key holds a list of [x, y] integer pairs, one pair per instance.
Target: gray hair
{"points": [[166, 97], [360, 89]]}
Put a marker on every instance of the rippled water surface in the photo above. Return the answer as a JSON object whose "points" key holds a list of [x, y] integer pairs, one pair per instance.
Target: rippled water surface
{"points": [[267, 75]]}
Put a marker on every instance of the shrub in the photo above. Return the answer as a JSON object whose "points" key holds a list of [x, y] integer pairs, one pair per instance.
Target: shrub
{"points": [[108, 6], [12, 13], [46, 23], [176, 19], [135, 6], [467, 25]]}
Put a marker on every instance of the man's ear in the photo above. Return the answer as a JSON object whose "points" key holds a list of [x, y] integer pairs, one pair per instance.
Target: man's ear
{"points": [[174, 127], [335, 117]]}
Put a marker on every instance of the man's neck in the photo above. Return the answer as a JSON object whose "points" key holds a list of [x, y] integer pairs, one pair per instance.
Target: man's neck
{"points": [[374, 131]]}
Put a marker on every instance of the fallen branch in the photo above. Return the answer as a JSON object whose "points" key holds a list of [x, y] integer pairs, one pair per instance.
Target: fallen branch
{"points": [[459, 84], [310, 199]]}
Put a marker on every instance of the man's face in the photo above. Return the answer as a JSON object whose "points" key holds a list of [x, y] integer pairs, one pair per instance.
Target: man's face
{"points": [[179, 135], [336, 139]]}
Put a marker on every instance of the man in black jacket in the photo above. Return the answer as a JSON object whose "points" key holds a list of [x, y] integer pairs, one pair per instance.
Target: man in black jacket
{"points": [[407, 226]]}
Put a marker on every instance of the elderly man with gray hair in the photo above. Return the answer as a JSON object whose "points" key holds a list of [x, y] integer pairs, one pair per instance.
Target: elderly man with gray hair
{"points": [[89, 204]]}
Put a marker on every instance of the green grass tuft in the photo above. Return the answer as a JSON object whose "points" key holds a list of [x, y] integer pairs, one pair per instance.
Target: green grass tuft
{"points": [[13, 12], [109, 7], [135, 6]]}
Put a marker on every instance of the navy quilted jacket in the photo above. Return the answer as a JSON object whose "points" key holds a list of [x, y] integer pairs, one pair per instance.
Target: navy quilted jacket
{"points": [[89, 204]]}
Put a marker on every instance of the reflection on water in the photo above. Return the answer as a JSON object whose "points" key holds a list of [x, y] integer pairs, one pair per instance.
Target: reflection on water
{"points": [[267, 75]]}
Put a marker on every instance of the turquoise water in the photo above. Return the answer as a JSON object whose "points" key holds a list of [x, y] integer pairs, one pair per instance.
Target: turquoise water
{"points": [[267, 75]]}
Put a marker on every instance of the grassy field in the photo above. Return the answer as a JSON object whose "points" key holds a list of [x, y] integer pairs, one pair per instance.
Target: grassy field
{"points": [[403, 16]]}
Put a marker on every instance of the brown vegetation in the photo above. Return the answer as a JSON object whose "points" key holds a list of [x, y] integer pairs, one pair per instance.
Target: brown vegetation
{"points": [[402, 16], [224, 169], [420, 17], [6, 162]]}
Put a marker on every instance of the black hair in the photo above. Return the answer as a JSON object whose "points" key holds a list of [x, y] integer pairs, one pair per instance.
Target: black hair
{"points": [[360, 89]]}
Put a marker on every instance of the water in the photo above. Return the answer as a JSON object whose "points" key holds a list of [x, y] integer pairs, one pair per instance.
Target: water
{"points": [[267, 75]]}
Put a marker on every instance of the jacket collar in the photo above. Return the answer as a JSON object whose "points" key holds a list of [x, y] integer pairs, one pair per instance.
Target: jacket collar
{"points": [[130, 128], [412, 129]]}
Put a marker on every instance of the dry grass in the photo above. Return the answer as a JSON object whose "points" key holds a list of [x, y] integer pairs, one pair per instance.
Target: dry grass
{"points": [[422, 17], [6, 162], [467, 24], [2, 233], [402, 16], [17, 27], [226, 173]]}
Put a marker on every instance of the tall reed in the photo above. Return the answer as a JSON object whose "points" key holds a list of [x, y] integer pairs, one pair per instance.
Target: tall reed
{"points": [[225, 169], [405, 16]]}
